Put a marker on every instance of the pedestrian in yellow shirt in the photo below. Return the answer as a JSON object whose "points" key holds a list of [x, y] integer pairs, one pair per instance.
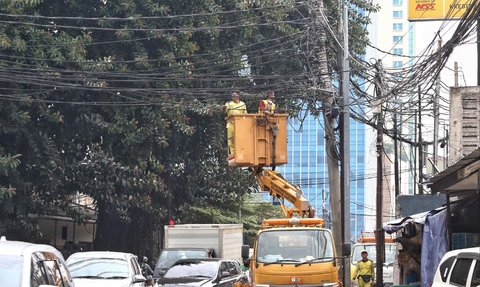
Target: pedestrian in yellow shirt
{"points": [[365, 272], [233, 107]]}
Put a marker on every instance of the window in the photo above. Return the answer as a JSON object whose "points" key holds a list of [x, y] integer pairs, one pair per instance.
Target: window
{"points": [[64, 232], [397, 14], [232, 268], [397, 39], [398, 26], [460, 271], [445, 268], [47, 270], [135, 266], [224, 270], [37, 275], [476, 275], [397, 64], [65, 275], [398, 51], [397, 2]]}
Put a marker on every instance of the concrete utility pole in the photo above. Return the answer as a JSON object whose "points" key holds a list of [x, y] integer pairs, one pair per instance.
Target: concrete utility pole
{"points": [[455, 73], [420, 143], [345, 143], [325, 85], [436, 109], [396, 162], [379, 207]]}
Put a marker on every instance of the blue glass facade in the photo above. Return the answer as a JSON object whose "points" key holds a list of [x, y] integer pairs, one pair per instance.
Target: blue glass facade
{"points": [[307, 167]]}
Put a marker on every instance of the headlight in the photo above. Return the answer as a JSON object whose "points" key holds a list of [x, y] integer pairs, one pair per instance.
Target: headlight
{"points": [[260, 285], [331, 285]]}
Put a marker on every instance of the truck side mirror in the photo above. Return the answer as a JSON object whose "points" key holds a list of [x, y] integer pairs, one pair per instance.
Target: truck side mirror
{"points": [[245, 251], [346, 249]]}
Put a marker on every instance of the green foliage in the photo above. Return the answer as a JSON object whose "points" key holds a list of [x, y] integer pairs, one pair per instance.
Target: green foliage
{"points": [[122, 101]]}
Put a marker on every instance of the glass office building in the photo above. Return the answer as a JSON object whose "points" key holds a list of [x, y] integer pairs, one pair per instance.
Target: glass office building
{"points": [[307, 168]]}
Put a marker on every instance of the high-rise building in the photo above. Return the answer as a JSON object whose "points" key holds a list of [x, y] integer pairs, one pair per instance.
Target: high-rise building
{"points": [[390, 32], [307, 167], [392, 40]]}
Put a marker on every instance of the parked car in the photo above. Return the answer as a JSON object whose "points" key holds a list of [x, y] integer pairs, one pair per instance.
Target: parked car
{"points": [[206, 272], [459, 267], [105, 269], [24, 264], [169, 256]]}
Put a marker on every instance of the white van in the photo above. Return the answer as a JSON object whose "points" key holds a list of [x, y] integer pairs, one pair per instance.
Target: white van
{"points": [[459, 267], [24, 264]]}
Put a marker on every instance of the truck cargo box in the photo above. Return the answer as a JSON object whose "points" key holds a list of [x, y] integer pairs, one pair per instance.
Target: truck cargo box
{"points": [[225, 239]]}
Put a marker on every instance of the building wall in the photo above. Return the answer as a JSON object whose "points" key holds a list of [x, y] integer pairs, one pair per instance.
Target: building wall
{"points": [[464, 132], [59, 230]]}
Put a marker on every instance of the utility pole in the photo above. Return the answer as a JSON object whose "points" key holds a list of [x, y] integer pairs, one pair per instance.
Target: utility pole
{"points": [[379, 207], [420, 143], [395, 150], [415, 156], [345, 143], [324, 83], [436, 109], [455, 73]]}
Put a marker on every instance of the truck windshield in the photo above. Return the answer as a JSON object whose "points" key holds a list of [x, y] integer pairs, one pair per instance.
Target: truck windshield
{"points": [[390, 250], [294, 246]]}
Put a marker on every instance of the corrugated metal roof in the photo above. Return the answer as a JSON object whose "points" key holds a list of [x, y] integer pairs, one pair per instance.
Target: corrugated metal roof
{"points": [[451, 176]]}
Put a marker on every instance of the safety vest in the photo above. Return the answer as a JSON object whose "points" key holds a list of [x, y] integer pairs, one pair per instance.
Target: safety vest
{"points": [[235, 108], [365, 268], [266, 105]]}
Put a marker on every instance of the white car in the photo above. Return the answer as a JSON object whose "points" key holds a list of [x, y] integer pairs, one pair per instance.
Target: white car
{"points": [[24, 264], [105, 269], [459, 267]]}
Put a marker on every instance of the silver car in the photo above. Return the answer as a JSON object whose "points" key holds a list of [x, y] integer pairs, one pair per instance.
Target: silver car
{"points": [[24, 264], [105, 269]]}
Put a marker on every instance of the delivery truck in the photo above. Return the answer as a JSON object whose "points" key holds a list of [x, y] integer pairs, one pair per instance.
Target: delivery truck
{"points": [[184, 241], [224, 239]]}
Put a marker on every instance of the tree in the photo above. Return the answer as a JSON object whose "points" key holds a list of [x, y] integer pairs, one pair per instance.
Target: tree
{"points": [[122, 100]]}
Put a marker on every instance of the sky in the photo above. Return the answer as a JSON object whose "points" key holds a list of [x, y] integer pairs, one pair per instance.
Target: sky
{"points": [[465, 55]]}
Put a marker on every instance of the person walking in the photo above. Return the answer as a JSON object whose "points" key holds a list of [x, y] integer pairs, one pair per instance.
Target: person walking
{"points": [[365, 272], [233, 107], [267, 105], [147, 271]]}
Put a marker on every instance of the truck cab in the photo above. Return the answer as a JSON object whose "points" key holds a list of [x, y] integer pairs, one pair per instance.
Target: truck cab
{"points": [[293, 251]]}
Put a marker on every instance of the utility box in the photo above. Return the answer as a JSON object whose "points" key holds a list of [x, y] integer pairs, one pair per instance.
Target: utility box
{"points": [[259, 140], [225, 239]]}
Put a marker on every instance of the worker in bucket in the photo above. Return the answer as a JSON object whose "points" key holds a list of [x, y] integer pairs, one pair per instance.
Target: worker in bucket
{"points": [[365, 272], [267, 106], [233, 107]]}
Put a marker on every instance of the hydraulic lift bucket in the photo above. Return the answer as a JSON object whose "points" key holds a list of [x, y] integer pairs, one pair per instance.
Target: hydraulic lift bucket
{"points": [[259, 140]]}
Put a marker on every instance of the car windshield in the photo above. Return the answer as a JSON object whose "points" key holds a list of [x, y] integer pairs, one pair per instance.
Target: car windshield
{"points": [[11, 270], [193, 269], [168, 257], [81, 267], [294, 246]]}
